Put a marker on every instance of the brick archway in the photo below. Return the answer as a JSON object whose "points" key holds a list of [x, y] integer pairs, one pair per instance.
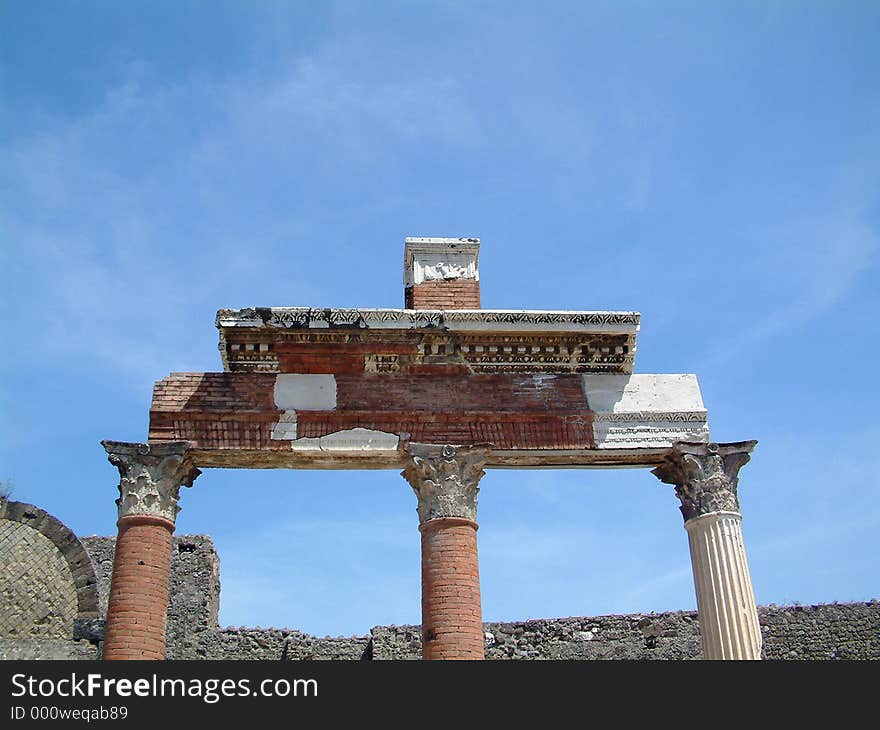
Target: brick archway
{"points": [[38, 544]]}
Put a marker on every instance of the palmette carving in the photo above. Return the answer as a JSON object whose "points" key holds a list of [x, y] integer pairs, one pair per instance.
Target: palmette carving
{"points": [[705, 476], [314, 317], [445, 479], [150, 476]]}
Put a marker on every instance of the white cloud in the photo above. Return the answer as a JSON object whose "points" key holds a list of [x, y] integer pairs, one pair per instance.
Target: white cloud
{"points": [[128, 218]]}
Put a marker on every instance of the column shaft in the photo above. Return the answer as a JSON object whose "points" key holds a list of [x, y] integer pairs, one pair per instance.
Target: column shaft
{"points": [[452, 623], [138, 603], [150, 478], [729, 626], [445, 479]]}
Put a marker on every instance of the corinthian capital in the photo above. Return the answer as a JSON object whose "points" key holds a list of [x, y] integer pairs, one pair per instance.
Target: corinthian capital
{"points": [[705, 475], [150, 476], [445, 479]]}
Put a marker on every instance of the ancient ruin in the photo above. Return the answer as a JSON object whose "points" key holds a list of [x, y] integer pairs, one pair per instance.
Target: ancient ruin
{"points": [[442, 391], [37, 625]]}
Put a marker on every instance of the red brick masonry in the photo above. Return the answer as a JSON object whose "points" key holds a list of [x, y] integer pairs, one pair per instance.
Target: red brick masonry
{"points": [[452, 294], [511, 411], [139, 589], [452, 624]]}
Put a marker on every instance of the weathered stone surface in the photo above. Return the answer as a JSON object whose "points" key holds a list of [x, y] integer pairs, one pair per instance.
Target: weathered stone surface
{"points": [[55, 649], [270, 644], [826, 631], [705, 475], [150, 477], [445, 479]]}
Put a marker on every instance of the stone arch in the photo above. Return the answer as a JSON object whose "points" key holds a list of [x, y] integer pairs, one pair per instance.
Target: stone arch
{"points": [[51, 581]]}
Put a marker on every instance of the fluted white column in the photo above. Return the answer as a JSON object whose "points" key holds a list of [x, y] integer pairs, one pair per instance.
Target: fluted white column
{"points": [[726, 603], [705, 478]]}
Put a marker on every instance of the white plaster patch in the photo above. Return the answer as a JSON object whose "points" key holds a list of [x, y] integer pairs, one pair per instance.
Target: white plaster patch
{"points": [[285, 429], [616, 393], [305, 392], [354, 439]]}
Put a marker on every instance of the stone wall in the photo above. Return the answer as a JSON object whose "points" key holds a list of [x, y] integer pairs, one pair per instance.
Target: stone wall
{"points": [[193, 631], [830, 631], [826, 631]]}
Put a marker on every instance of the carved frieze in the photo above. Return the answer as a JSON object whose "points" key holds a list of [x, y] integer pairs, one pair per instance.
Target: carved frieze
{"points": [[381, 363], [150, 476], [705, 476], [440, 259], [481, 352], [445, 479], [546, 353]]}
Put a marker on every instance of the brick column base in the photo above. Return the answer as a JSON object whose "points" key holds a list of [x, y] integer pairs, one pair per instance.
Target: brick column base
{"points": [[138, 603], [452, 622]]}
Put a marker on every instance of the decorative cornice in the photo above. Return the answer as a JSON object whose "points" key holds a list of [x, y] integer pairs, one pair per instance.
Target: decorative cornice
{"points": [[705, 475], [652, 416], [150, 476], [445, 479], [497, 320]]}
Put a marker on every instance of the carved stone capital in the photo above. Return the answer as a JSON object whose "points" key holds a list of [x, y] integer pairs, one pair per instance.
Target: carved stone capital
{"points": [[150, 476], [445, 479], [705, 475]]}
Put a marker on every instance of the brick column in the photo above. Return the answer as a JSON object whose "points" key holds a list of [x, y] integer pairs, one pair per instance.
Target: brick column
{"points": [[445, 480], [705, 478], [150, 479]]}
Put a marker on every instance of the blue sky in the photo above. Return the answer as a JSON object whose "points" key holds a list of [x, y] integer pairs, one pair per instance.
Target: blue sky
{"points": [[715, 166]]}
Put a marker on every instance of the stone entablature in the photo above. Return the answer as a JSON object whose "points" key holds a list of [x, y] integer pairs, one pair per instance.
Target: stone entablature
{"points": [[320, 420], [303, 339]]}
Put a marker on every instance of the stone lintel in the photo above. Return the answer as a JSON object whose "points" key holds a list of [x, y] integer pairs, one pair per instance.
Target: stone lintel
{"points": [[632, 418], [150, 476], [323, 458]]}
